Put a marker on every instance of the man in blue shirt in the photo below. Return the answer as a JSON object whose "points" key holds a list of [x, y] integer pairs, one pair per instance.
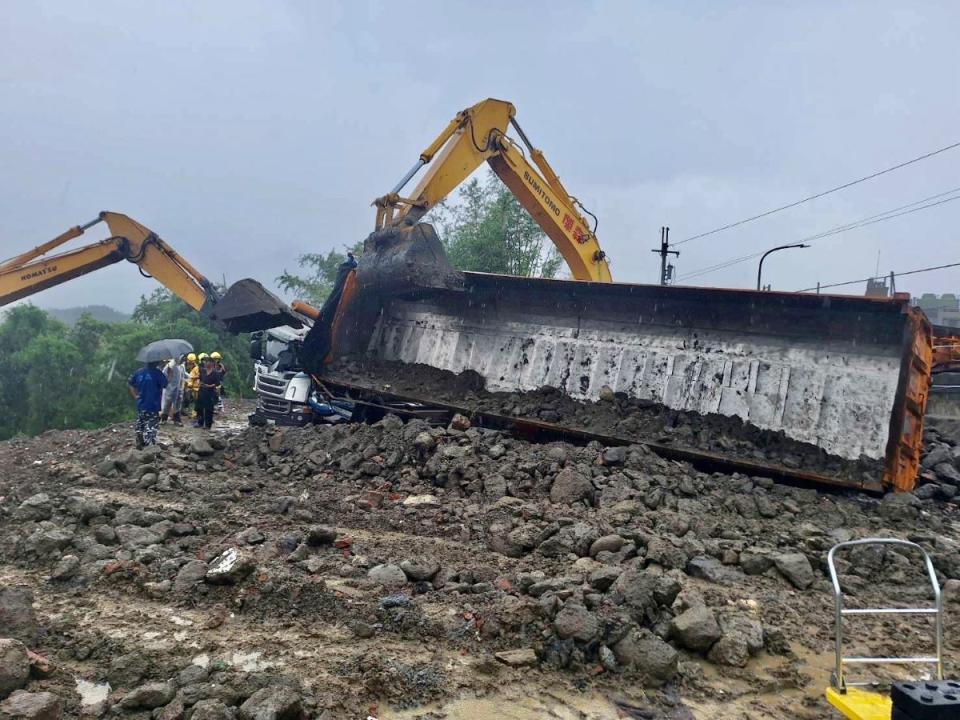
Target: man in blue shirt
{"points": [[147, 385]]}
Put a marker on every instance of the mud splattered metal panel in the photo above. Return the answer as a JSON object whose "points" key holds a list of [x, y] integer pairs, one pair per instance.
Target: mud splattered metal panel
{"points": [[824, 370]]}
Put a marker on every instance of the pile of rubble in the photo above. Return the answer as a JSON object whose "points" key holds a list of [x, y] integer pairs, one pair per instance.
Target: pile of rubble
{"points": [[322, 571], [613, 414]]}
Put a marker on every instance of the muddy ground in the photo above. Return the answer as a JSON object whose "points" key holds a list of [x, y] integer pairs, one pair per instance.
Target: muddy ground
{"points": [[407, 571]]}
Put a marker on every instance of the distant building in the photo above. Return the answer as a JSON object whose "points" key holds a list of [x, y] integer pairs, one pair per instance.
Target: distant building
{"points": [[941, 309]]}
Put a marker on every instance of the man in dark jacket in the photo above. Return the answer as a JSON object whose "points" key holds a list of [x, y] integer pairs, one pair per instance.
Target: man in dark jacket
{"points": [[146, 385]]}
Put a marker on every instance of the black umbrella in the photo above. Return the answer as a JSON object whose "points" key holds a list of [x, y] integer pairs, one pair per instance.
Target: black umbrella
{"points": [[164, 350]]}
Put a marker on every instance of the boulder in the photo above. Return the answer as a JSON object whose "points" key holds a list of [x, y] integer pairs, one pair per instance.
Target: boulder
{"points": [[23, 705], [575, 621], [607, 543], [321, 535], [229, 567], [569, 487], [149, 696], [201, 446], [36, 507], [796, 568], [66, 568], [272, 703], [730, 650], [14, 666], [388, 575], [189, 575], [696, 628], [648, 654], [517, 658], [420, 569], [211, 710], [17, 619]]}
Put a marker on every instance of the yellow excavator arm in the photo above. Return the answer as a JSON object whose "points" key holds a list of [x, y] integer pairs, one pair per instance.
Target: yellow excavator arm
{"points": [[32, 271], [479, 134]]}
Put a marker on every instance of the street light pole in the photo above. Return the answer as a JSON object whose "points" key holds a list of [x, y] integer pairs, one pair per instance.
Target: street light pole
{"points": [[773, 250]]}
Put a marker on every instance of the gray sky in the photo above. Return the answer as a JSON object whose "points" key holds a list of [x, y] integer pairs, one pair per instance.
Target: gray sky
{"points": [[245, 133]]}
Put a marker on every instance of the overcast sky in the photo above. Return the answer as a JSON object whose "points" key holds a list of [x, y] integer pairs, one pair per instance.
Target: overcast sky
{"points": [[245, 133]]}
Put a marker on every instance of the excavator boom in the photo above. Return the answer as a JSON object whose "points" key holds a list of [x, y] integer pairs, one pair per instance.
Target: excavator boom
{"points": [[33, 271], [477, 135]]}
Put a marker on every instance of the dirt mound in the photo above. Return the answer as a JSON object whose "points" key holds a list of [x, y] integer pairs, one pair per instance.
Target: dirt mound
{"points": [[404, 570]]}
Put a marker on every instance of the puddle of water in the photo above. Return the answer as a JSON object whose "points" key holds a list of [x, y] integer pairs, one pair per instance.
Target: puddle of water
{"points": [[92, 693], [517, 705], [251, 662]]}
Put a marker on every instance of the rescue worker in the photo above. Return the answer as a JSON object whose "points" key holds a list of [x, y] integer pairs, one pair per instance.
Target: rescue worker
{"points": [[221, 368], [194, 383], [210, 380], [146, 385], [189, 384], [173, 392]]}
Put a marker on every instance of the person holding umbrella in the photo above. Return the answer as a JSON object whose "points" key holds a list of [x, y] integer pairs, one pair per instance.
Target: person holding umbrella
{"points": [[146, 386]]}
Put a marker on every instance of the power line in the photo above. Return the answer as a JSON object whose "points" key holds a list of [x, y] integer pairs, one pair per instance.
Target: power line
{"points": [[879, 277], [863, 222], [821, 194]]}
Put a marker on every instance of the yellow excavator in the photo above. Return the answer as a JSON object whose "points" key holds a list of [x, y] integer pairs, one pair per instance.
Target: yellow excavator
{"points": [[249, 305], [479, 134], [35, 270]]}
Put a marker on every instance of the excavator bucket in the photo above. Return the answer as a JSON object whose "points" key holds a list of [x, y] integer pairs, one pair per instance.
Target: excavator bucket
{"points": [[248, 306], [846, 375]]}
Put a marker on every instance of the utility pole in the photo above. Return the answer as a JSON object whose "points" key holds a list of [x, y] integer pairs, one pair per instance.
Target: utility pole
{"points": [[666, 272]]}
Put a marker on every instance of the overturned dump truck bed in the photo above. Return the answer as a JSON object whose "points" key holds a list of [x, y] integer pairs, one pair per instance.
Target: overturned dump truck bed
{"points": [[847, 375]]}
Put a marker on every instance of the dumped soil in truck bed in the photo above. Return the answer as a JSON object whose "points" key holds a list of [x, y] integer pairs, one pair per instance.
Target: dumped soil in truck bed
{"points": [[614, 415], [407, 571]]}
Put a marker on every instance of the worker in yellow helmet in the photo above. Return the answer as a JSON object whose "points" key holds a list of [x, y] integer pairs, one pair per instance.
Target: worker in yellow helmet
{"points": [[189, 386], [193, 382]]}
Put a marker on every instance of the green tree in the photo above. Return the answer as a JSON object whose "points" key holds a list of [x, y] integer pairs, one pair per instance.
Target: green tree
{"points": [[485, 229], [320, 274]]}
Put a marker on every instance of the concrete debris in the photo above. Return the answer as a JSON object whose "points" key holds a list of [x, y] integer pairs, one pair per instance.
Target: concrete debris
{"points": [[400, 563]]}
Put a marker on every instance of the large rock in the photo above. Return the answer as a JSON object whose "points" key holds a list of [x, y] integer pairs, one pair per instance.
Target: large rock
{"points": [[24, 705], [388, 575], [730, 650], [189, 575], [151, 695], [35, 507], [133, 537], [709, 569], [643, 592], [201, 446], [17, 619], [66, 568], [14, 666], [696, 628], [796, 568], [230, 567], [517, 658], [271, 703], [948, 473], [753, 563], [938, 454], [321, 535], [420, 569], [900, 507], [211, 710], [570, 486], [575, 621], [606, 543], [576, 538], [648, 654]]}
